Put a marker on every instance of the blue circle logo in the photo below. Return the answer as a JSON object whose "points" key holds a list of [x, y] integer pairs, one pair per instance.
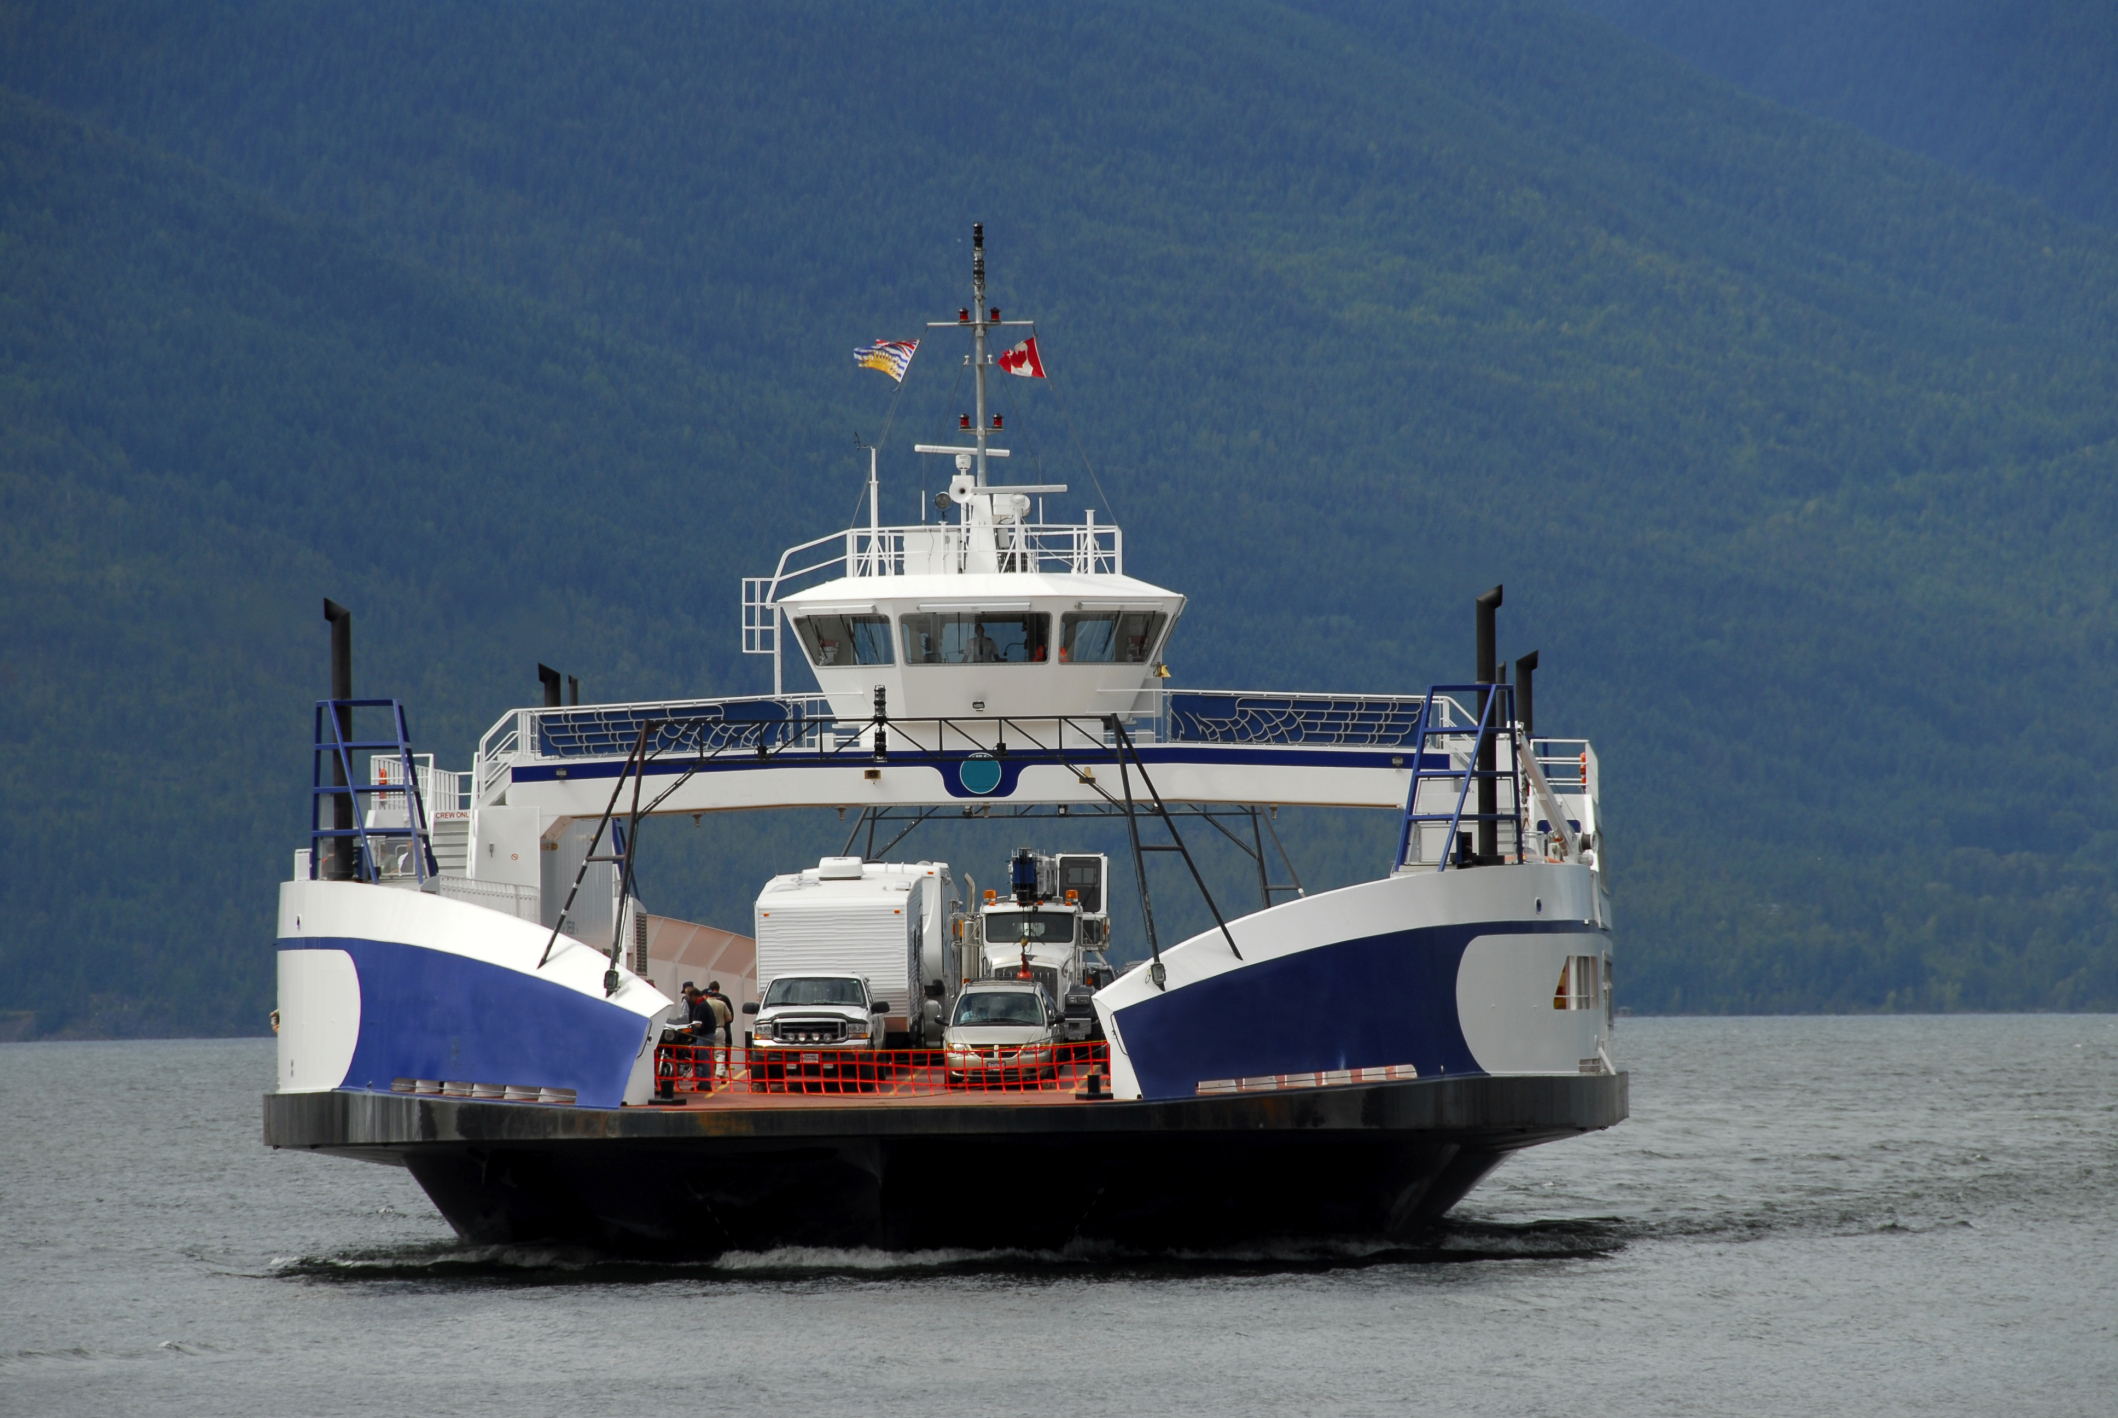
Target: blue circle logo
{"points": [[979, 774]]}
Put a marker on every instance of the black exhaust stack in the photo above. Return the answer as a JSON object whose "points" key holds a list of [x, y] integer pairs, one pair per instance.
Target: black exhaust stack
{"points": [[338, 863], [1488, 655], [1524, 668], [550, 679], [1488, 786]]}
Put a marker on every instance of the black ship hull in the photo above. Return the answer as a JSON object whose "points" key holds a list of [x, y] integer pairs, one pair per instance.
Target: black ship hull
{"points": [[1377, 1160]]}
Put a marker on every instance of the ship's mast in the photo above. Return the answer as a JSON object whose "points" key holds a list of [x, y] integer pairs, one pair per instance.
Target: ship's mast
{"points": [[978, 321], [980, 318]]}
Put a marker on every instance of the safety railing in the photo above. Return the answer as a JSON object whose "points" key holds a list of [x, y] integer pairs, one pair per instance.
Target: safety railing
{"points": [[442, 790], [1082, 549], [497, 752], [776, 725], [689, 727], [883, 1073], [1568, 764], [948, 548], [446, 791], [1265, 717], [521, 902]]}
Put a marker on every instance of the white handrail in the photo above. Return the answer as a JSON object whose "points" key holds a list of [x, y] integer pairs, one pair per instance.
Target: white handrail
{"points": [[1080, 548], [1546, 798]]}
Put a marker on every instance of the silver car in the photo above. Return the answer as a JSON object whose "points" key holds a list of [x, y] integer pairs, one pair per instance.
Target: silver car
{"points": [[1003, 1032]]}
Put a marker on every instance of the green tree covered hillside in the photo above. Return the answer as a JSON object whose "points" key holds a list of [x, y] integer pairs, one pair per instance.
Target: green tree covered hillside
{"points": [[523, 330], [2020, 92]]}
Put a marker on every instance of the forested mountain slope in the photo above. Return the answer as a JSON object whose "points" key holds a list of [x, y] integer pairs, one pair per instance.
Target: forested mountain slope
{"points": [[525, 330], [2020, 92], [213, 413]]}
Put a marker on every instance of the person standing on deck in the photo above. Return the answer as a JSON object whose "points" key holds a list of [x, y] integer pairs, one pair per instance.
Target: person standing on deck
{"points": [[723, 1008], [698, 1011], [720, 1030]]}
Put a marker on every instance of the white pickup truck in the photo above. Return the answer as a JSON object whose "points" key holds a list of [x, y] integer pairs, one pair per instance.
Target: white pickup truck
{"points": [[816, 1030]]}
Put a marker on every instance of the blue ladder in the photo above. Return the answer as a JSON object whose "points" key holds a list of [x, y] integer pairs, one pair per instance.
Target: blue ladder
{"points": [[1496, 717], [333, 747]]}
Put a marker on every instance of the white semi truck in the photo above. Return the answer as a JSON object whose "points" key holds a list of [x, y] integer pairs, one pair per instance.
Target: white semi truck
{"points": [[889, 923], [1052, 927]]}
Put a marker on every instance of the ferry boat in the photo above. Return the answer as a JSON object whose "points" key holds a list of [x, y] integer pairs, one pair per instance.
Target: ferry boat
{"points": [[463, 971]]}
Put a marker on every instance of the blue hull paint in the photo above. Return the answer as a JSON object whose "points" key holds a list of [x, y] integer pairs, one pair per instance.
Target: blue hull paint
{"points": [[429, 1014], [1386, 999]]}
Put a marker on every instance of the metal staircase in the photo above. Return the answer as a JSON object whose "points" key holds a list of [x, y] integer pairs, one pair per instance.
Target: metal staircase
{"points": [[335, 747], [1483, 764]]}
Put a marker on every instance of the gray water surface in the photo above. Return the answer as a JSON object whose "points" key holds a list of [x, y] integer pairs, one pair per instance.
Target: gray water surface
{"points": [[1804, 1216]]}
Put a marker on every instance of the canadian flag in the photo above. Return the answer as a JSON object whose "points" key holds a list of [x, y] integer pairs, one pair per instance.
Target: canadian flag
{"points": [[1022, 360]]}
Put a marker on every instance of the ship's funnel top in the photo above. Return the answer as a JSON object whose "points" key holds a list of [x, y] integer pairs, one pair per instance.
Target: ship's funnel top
{"points": [[341, 648], [339, 853], [1488, 655], [1525, 667]]}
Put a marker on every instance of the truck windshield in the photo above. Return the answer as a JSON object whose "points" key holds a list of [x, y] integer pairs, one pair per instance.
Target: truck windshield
{"points": [[799, 991], [1050, 927], [999, 1007]]}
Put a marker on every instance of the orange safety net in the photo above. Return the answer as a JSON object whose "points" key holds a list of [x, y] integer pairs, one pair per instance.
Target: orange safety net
{"points": [[1029, 1068]]}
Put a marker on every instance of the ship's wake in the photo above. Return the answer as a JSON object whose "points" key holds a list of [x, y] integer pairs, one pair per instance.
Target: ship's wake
{"points": [[1450, 1243], [1466, 1238]]}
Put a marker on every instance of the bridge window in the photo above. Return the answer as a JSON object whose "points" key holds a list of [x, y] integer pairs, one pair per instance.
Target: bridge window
{"points": [[1109, 637], [974, 637], [845, 639]]}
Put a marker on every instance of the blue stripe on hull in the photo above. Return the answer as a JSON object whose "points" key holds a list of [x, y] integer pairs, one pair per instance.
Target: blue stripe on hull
{"points": [[430, 1014], [1385, 999]]}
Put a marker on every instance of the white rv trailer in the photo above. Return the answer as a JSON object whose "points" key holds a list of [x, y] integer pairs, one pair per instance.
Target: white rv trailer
{"points": [[885, 921]]}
